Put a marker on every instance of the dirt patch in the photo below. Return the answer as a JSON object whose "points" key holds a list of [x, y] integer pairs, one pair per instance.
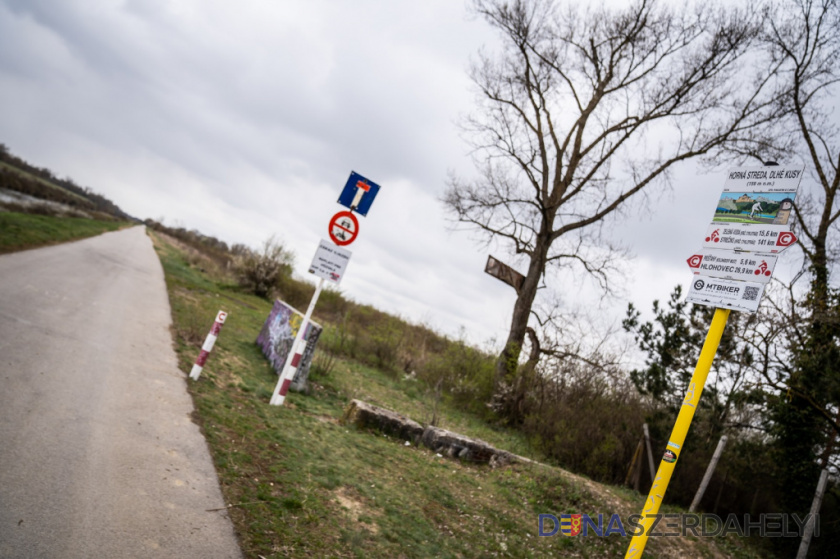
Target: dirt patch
{"points": [[187, 294], [355, 509]]}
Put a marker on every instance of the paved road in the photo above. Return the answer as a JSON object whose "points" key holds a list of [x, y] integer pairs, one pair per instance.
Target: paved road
{"points": [[98, 455]]}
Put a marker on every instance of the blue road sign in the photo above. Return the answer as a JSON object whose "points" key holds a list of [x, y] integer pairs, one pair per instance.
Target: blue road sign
{"points": [[358, 193]]}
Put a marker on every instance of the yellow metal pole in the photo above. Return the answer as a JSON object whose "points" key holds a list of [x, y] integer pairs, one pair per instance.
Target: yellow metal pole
{"points": [[678, 434]]}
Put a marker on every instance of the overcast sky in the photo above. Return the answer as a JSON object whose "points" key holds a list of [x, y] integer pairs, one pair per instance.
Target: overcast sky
{"points": [[244, 119]]}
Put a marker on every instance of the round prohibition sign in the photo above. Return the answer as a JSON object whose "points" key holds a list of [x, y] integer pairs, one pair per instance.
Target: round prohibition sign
{"points": [[344, 227]]}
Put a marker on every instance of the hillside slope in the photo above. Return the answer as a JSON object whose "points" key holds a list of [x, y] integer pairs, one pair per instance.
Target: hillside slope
{"points": [[300, 484]]}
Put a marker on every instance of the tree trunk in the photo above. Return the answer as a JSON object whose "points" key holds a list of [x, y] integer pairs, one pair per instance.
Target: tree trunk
{"points": [[507, 363]]}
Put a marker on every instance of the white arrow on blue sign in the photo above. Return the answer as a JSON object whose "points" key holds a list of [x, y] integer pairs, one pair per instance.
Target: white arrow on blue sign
{"points": [[358, 193]]}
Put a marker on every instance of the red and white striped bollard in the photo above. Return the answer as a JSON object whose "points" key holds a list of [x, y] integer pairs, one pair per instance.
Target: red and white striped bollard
{"points": [[208, 345]]}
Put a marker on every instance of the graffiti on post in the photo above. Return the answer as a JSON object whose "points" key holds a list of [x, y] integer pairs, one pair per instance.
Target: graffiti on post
{"points": [[276, 338]]}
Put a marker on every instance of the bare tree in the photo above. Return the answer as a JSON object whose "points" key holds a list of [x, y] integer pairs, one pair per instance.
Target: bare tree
{"points": [[583, 110], [808, 46], [799, 344], [803, 42]]}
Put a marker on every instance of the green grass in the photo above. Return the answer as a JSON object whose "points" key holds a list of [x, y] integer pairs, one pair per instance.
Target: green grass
{"points": [[301, 484], [20, 231]]}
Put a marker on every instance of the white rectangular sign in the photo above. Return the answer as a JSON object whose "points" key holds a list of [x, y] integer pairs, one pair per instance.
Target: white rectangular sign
{"points": [[726, 294], [728, 264], [758, 196], [764, 179], [752, 238], [330, 262]]}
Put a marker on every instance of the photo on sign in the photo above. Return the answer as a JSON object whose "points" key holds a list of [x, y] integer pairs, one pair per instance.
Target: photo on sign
{"points": [[755, 207]]}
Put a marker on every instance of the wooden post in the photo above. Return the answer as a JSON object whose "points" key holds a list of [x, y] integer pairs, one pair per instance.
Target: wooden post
{"points": [[710, 470], [637, 476], [649, 452], [812, 518], [631, 471]]}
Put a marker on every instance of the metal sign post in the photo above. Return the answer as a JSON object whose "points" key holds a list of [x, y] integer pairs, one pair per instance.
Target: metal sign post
{"points": [[750, 225], [678, 434], [329, 263], [813, 518], [293, 358]]}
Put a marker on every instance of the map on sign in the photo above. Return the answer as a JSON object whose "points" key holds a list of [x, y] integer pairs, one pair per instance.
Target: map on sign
{"points": [[753, 213]]}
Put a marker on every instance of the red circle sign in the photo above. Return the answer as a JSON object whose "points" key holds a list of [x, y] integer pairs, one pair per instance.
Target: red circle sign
{"points": [[343, 228]]}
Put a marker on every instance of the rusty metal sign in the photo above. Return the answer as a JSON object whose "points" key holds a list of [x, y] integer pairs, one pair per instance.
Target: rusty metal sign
{"points": [[504, 272]]}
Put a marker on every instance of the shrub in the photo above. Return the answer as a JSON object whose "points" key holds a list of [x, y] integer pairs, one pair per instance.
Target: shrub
{"points": [[585, 418], [382, 343], [261, 273], [464, 372]]}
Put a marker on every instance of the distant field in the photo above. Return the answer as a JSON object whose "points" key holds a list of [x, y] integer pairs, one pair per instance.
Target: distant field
{"points": [[20, 231], [18, 170]]}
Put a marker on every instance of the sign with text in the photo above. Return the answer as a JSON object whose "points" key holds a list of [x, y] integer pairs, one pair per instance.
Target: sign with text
{"points": [[764, 179], [330, 262], [751, 225], [754, 210], [503, 272], [725, 294], [727, 264], [752, 238]]}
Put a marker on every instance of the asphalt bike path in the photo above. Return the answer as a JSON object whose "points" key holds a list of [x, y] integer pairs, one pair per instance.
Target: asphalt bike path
{"points": [[98, 454]]}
